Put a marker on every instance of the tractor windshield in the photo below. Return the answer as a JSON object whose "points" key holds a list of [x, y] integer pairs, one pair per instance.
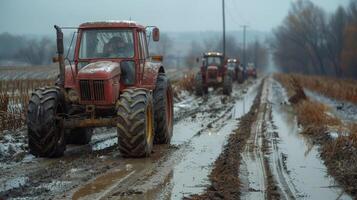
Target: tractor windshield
{"points": [[107, 43], [232, 65], [214, 61]]}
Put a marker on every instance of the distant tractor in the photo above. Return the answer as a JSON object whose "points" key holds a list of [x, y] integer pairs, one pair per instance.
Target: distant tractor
{"points": [[235, 70], [251, 71], [112, 83], [213, 73]]}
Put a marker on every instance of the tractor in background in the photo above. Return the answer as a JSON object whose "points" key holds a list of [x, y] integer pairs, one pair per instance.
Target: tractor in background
{"points": [[233, 66], [112, 82], [251, 70], [213, 73]]}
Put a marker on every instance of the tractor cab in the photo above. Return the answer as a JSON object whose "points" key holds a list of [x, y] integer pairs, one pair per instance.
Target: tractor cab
{"points": [[109, 56], [233, 64], [234, 69], [213, 73], [213, 67]]}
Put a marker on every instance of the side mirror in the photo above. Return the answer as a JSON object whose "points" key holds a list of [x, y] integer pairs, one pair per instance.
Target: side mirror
{"points": [[156, 34]]}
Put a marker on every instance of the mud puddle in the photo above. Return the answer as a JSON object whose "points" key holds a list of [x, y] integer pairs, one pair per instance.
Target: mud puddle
{"points": [[254, 169], [294, 161], [197, 141]]}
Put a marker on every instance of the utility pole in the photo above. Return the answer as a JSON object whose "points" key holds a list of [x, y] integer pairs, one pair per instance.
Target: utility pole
{"points": [[244, 49], [224, 29]]}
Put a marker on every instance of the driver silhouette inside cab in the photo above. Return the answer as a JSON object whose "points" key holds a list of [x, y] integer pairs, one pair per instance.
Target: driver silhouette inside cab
{"points": [[116, 47]]}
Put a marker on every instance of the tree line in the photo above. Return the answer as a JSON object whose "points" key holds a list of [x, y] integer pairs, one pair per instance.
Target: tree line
{"points": [[27, 50], [312, 41]]}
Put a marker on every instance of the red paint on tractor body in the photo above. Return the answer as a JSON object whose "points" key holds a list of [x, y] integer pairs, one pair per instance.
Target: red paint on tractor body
{"points": [[97, 80]]}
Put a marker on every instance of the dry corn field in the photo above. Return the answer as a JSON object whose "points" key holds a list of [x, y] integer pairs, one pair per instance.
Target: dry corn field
{"points": [[14, 97]]}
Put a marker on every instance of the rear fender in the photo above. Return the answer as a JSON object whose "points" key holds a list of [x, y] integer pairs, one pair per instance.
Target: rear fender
{"points": [[151, 71]]}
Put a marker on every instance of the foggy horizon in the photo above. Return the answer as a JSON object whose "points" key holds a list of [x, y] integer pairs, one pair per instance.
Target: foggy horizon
{"points": [[38, 17]]}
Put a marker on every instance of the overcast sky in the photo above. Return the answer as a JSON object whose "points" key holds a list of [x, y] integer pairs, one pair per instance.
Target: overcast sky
{"points": [[38, 16]]}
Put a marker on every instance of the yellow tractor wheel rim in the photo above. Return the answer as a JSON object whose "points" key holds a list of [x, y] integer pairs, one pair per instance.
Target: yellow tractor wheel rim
{"points": [[149, 123]]}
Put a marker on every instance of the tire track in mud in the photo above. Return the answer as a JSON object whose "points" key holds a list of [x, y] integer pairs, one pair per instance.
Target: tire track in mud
{"points": [[254, 144], [159, 183], [49, 178], [224, 177], [266, 173]]}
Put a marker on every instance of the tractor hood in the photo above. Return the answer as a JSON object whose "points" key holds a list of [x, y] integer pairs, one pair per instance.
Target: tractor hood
{"points": [[101, 70], [212, 67]]}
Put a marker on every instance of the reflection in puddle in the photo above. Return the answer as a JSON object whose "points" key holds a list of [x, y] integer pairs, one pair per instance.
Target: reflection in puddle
{"points": [[243, 106], [190, 176], [305, 169]]}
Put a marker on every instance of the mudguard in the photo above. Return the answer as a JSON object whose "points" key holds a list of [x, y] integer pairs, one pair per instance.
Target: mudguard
{"points": [[151, 71]]}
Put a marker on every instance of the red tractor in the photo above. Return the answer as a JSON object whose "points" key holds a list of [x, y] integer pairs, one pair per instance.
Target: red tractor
{"points": [[251, 71], [235, 70], [213, 73], [112, 83]]}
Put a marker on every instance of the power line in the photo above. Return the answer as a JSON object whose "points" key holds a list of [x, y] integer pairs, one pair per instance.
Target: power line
{"points": [[236, 7], [244, 48], [224, 28]]}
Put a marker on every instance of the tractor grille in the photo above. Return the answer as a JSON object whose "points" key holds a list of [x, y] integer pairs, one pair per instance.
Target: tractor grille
{"points": [[212, 74], [92, 90]]}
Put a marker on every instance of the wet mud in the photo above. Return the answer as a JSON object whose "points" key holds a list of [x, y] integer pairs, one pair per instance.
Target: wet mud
{"points": [[97, 171], [245, 146]]}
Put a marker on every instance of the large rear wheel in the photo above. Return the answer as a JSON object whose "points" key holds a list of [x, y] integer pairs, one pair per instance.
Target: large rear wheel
{"points": [[45, 130], [135, 124], [163, 106]]}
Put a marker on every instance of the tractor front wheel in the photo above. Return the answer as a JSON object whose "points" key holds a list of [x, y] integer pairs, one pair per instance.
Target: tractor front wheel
{"points": [[200, 89], [227, 85], [45, 130], [135, 125], [163, 105], [240, 78]]}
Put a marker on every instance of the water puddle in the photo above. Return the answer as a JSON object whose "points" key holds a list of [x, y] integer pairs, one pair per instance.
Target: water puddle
{"points": [[243, 106], [345, 111], [13, 183], [303, 170], [101, 183], [190, 175]]}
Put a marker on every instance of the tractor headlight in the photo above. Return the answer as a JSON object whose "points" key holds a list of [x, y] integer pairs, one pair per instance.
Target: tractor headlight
{"points": [[73, 95]]}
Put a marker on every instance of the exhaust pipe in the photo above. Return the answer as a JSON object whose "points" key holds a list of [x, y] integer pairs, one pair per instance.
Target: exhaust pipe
{"points": [[60, 50]]}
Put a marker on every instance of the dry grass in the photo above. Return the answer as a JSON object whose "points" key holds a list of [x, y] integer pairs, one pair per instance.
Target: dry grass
{"points": [[14, 98], [315, 113], [340, 155], [340, 89], [186, 83]]}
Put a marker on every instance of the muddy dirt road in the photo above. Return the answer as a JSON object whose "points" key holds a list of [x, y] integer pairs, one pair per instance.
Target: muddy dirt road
{"points": [[280, 163], [98, 171], [272, 160]]}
